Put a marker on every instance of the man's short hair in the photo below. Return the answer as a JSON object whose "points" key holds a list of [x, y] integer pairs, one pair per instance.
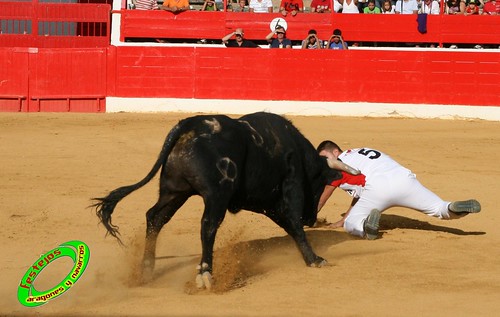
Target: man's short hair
{"points": [[328, 146]]}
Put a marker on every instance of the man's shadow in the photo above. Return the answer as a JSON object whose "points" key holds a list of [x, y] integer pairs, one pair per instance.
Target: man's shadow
{"points": [[390, 222]]}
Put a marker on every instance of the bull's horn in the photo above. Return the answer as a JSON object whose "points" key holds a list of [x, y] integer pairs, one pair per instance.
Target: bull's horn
{"points": [[338, 165]]}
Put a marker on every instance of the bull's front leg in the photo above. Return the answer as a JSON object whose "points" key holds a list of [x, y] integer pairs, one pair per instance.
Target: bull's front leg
{"points": [[210, 222], [293, 226]]}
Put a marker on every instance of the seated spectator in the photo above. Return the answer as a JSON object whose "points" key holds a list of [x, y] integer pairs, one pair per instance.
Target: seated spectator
{"points": [[350, 6], [175, 6], [239, 40], [430, 7], [455, 7], [492, 7], [280, 41], [371, 8], [387, 7], [406, 7], [291, 6], [241, 6], [261, 6], [145, 4], [336, 41], [312, 41], [472, 8], [209, 5], [321, 6]]}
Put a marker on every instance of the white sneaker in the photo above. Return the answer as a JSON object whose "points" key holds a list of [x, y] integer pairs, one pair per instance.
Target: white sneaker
{"points": [[372, 224]]}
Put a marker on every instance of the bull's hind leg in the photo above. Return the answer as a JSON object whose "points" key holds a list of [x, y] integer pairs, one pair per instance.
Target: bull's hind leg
{"points": [[156, 218], [215, 211]]}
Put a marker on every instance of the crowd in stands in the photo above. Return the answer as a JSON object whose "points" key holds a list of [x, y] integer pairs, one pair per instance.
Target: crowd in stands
{"points": [[277, 38], [294, 7]]}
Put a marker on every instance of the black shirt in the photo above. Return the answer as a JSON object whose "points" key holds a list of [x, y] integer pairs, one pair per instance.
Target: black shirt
{"points": [[244, 43]]}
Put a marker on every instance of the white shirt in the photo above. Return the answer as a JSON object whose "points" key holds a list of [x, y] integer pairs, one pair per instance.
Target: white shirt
{"points": [[408, 6], [432, 9], [349, 8], [261, 6]]}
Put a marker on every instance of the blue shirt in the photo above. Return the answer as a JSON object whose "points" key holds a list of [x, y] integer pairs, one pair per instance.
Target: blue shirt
{"points": [[337, 46]]}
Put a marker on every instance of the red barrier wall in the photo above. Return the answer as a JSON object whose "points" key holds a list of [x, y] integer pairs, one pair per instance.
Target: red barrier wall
{"points": [[448, 29], [419, 77], [53, 80]]}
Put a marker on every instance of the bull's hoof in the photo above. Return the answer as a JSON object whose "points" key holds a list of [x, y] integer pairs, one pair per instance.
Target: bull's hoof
{"points": [[204, 280], [204, 277], [320, 262]]}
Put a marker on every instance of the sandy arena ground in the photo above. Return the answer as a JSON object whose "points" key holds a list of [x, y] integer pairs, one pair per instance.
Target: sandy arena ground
{"points": [[53, 164]]}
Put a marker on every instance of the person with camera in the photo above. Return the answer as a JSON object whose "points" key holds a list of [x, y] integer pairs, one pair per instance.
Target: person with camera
{"points": [[312, 42]]}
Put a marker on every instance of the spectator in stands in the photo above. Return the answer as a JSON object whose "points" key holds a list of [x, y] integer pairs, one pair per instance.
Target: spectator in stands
{"points": [[239, 40], [350, 6], [175, 6], [371, 8], [455, 7], [336, 41], [280, 41], [209, 5], [291, 6], [145, 4], [406, 7], [321, 6], [387, 7], [430, 7], [492, 7], [312, 41], [261, 6], [241, 6], [472, 8]]}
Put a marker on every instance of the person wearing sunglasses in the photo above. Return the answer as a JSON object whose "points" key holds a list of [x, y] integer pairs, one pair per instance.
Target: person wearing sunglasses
{"points": [[280, 41]]}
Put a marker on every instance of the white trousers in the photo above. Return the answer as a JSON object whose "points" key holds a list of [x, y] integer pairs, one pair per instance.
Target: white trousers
{"points": [[398, 187]]}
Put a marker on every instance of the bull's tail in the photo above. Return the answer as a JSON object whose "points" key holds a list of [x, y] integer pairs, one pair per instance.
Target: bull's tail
{"points": [[106, 205]]}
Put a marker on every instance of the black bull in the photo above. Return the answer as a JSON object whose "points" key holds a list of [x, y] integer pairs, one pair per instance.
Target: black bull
{"points": [[259, 162]]}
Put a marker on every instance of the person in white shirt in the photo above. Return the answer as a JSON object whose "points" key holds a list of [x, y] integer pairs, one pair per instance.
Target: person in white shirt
{"points": [[383, 183], [406, 7], [261, 6], [429, 7]]}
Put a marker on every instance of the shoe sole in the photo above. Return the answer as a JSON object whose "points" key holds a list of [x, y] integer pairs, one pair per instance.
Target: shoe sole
{"points": [[372, 224], [466, 206]]}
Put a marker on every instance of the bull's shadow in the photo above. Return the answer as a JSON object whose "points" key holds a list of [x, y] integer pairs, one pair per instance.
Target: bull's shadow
{"points": [[235, 264], [390, 222]]}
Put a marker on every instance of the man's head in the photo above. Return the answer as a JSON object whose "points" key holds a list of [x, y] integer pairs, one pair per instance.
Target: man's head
{"points": [[371, 4], [280, 32], [336, 35], [311, 35], [329, 149], [238, 33]]}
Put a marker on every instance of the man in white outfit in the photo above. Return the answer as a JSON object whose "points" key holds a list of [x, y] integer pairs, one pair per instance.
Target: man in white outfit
{"points": [[383, 183]]}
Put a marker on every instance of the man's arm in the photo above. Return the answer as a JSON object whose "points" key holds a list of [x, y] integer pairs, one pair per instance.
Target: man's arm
{"points": [[340, 223], [327, 192]]}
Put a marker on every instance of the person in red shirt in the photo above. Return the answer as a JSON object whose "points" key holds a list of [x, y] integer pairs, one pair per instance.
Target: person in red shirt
{"points": [[321, 6], [291, 6], [471, 8], [491, 7]]}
